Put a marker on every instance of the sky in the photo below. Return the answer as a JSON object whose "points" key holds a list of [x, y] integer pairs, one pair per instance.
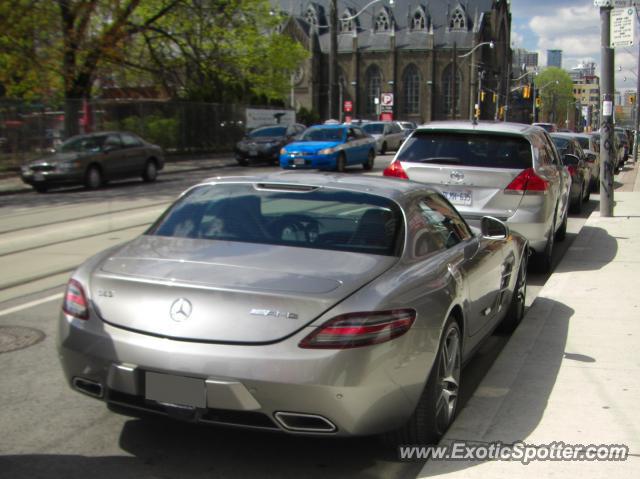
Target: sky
{"points": [[572, 26]]}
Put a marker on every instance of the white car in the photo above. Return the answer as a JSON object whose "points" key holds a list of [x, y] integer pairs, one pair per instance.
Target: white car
{"points": [[388, 134]]}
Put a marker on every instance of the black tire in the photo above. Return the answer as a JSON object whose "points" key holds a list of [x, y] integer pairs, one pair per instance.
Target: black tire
{"points": [[41, 188], [93, 178], [576, 206], [561, 234], [515, 313], [150, 172], [383, 148], [437, 405], [368, 165], [587, 195], [341, 163], [242, 161]]}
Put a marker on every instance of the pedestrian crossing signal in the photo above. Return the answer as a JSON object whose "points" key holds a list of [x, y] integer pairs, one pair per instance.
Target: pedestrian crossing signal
{"points": [[538, 102]]}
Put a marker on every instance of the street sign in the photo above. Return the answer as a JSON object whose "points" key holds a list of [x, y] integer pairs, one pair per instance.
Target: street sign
{"points": [[348, 106], [386, 102], [623, 25]]}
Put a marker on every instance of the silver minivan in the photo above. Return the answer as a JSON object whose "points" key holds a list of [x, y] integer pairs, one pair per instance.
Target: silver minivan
{"points": [[509, 171], [388, 134]]}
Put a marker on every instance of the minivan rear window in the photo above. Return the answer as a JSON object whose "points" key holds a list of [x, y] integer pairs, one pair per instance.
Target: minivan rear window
{"points": [[467, 149]]}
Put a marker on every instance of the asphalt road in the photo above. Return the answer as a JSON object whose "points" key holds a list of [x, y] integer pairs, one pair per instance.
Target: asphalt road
{"points": [[50, 431]]}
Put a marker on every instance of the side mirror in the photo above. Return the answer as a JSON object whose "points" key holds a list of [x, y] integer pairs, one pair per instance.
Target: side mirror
{"points": [[493, 228]]}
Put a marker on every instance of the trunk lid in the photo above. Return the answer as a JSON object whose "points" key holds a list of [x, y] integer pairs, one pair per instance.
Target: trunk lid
{"points": [[234, 292]]}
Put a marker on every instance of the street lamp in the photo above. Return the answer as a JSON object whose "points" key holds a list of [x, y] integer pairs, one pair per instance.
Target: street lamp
{"points": [[491, 44], [333, 50]]}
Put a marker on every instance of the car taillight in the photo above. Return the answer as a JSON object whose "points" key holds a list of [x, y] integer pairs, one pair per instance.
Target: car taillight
{"points": [[75, 301], [572, 170], [354, 330], [395, 170], [527, 180]]}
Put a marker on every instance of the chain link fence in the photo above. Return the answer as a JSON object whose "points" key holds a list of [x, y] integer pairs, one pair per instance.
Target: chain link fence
{"points": [[180, 128]]}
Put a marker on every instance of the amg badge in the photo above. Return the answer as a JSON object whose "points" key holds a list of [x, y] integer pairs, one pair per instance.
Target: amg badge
{"points": [[273, 314]]}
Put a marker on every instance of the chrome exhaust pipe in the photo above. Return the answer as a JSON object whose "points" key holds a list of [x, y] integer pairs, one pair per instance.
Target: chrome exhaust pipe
{"points": [[87, 386], [298, 422]]}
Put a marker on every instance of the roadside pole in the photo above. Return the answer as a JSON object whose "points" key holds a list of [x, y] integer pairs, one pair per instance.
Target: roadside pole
{"points": [[637, 116], [606, 111]]}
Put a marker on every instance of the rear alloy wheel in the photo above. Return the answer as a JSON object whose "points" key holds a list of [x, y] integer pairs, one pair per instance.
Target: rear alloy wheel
{"points": [[93, 178], [242, 161], [544, 260], [576, 206], [368, 165], [561, 234], [437, 405], [587, 192], [516, 306], [383, 148], [341, 163], [150, 172], [41, 188]]}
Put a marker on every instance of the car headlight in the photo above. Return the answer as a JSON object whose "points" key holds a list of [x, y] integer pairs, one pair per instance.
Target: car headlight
{"points": [[327, 151]]}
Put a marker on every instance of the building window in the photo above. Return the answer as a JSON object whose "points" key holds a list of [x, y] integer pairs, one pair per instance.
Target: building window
{"points": [[411, 97], [457, 20], [347, 23], [311, 16], [419, 21], [382, 22], [447, 83], [374, 83]]}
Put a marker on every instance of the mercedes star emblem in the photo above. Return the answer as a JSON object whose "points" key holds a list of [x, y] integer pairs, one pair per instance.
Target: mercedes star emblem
{"points": [[180, 309]]}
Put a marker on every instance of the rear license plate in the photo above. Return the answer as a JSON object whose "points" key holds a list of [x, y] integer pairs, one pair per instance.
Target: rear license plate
{"points": [[298, 161], [38, 177], [166, 388], [458, 197]]}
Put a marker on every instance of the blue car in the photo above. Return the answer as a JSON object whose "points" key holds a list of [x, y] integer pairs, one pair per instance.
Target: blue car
{"points": [[330, 147]]}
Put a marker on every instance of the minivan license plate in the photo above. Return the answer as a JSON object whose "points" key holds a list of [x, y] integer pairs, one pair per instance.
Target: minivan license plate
{"points": [[167, 388], [458, 197]]}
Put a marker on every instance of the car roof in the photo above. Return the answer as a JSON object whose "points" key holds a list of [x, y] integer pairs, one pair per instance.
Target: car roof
{"points": [[330, 126], [392, 188], [482, 126]]}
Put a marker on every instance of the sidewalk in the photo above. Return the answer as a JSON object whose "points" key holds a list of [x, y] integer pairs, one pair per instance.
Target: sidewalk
{"points": [[13, 184], [571, 371]]}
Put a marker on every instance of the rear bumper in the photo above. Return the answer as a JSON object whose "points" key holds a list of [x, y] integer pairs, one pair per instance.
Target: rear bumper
{"points": [[310, 161], [359, 392]]}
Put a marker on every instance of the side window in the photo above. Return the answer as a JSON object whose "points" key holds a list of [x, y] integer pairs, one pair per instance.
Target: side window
{"points": [[130, 141], [435, 225], [351, 134], [112, 142]]}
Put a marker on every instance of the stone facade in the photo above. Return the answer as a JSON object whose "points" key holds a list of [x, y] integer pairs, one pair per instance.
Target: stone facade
{"points": [[409, 49]]}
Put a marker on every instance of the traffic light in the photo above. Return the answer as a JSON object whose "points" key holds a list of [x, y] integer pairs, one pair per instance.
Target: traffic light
{"points": [[495, 97], [482, 94], [538, 102], [501, 113], [632, 99], [526, 91]]}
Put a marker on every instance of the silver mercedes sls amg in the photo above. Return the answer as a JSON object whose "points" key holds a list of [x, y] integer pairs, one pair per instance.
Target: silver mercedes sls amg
{"points": [[307, 303]]}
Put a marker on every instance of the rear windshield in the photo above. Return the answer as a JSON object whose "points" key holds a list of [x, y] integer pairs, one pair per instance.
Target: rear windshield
{"points": [[374, 128], [319, 218], [467, 149]]}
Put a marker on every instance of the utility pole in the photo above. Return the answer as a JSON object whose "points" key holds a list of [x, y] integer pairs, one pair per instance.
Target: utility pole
{"points": [[637, 117], [607, 151], [333, 60]]}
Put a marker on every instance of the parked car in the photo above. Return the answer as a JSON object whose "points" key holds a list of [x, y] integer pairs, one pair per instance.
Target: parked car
{"points": [[300, 303], [510, 171], [388, 135], [93, 160], [574, 158], [265, 143], [330, 147], [591, 149], [618, 151], [408, 127], [623, 140], [550, 127]]}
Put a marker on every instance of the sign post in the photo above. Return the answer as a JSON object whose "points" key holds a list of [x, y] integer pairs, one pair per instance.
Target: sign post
{"points": [[386, 106]]}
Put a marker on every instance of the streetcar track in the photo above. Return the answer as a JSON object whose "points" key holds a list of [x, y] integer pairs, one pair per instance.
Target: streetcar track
{"points": [[70, 220]]}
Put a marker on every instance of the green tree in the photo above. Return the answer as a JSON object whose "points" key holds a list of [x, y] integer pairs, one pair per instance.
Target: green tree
{"points": [[557, 94]]}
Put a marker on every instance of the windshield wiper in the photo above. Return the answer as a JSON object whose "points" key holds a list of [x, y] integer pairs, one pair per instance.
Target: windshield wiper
{"points": [[449, 160]]}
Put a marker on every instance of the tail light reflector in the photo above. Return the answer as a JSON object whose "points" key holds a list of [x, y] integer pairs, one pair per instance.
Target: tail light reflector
{"points": [[354, 330], [527, 180], [75, 301], [395, 170]]}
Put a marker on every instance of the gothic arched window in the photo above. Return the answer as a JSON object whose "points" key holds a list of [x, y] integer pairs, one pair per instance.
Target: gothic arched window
{"points": [[419, 20], [347, 22], [311, 16], [411, 92], [382, 24], [457, 21], [373, 79]]}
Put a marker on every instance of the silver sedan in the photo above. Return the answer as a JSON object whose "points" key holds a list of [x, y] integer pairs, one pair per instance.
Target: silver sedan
{"points": [[306, 303]]}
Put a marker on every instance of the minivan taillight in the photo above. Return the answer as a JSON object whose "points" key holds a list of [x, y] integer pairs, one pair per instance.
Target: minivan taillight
{"points": [[75, 301], [354, 330], [395, 170], [527, 180]]}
